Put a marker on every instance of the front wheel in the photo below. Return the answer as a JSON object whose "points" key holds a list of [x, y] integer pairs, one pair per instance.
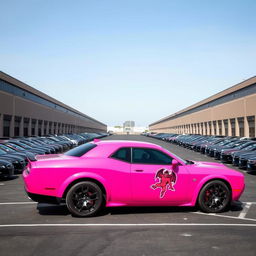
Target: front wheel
{"points": [[214, 197], [84, 199]]}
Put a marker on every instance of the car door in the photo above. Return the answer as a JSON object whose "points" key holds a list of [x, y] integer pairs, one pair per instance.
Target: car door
{"points": [[153, 178], [119, 174]]}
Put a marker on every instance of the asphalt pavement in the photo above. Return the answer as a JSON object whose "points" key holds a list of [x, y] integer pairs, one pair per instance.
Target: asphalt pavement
{"points": [[28, 228]]}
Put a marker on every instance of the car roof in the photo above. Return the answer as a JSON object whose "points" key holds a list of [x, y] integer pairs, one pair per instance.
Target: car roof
{"points": [[127, 143]]}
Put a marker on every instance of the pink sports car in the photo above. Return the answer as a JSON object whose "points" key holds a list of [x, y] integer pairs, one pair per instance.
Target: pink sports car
{"points": [[129, 173]]}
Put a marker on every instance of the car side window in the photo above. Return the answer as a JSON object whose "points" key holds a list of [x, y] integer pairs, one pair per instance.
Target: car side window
{"points": [[150, 156], [123, 154]]}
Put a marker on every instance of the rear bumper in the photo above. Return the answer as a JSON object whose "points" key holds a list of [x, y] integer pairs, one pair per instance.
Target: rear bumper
{"points": [[44, 199]]}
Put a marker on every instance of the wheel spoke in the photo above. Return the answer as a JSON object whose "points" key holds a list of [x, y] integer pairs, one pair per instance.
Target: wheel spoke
{"points": [[85, 189], [215, 197], [84, 199], [93, 196]]}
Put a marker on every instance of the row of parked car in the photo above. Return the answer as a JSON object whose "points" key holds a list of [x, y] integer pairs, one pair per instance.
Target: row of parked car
{"points": [[14, 152], [238, 151]]}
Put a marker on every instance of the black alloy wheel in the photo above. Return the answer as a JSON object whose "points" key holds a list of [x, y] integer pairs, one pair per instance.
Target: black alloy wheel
{"points": [[84, 199], [214, 197]]}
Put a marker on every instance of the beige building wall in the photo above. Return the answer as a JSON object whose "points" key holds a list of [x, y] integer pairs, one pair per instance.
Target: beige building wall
{"points": [[235, 117], [38, 119]]}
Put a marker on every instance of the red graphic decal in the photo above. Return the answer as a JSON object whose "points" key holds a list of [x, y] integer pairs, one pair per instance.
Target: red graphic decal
{"points": [[166, 181]]}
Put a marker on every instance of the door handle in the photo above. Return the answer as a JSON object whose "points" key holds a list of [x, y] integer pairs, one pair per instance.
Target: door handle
{"points": [[138, 170]]}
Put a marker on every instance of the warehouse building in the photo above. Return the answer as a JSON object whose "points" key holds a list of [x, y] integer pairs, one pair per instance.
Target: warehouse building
{"points": [[25, 111], [230, 112]]}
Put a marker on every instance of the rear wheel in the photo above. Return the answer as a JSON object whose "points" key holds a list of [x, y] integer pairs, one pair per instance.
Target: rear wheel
{"points": [[84, 199], [214, 197]]}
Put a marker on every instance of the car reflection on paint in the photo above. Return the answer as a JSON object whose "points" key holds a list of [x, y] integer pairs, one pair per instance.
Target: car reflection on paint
{"points": [[129, 173]]}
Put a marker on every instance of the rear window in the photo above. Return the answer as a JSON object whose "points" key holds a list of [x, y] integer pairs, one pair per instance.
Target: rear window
{"points": [[81, 150]]}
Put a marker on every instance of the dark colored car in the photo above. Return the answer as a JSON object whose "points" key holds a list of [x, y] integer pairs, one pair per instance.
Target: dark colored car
{"points": [[236, 155], [14, 151], [20, 148], [251, 164], [210, 151], [226, 154], [6, 169], [243, 159], [232, 145], [18, 161], [28, 147], [205, 147]]}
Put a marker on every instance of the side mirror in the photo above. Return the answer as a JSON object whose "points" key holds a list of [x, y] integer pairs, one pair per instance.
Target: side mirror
{"points": [[174, 164]]}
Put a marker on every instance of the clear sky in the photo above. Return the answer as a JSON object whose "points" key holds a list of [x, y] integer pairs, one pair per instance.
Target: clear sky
{"points": [[123, 60]]}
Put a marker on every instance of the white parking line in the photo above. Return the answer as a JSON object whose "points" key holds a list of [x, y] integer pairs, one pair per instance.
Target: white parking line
{"points": [[1, 184], [224, 216], [129, 225], [14, 203], [245, 210]]}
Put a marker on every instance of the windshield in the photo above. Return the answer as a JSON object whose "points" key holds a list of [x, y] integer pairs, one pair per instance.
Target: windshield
{"points": [[15, 146], [23, 145], [2, 152], [250, 147], [7, 148], [53, 139]]}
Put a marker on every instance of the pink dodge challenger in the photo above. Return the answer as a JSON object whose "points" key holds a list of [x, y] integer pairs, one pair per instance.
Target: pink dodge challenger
{"points": [[129, 173]]}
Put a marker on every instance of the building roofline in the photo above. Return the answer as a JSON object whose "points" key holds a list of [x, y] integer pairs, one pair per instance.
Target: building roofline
{"points": [[30, 89], [220, 94]]}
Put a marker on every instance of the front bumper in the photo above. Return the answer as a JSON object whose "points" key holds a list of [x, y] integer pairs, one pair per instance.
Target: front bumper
{"points": [[235, 161], [217, 155], [251, 166], [242, 163], [225, 158], [7, 172]]}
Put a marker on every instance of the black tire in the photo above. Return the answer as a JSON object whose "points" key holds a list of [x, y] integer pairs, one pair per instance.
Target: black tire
{"points": [[214, 197], [84, 199]]}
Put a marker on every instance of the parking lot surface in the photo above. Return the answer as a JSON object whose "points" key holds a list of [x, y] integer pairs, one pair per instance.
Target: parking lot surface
{"points": [[28, 228]]}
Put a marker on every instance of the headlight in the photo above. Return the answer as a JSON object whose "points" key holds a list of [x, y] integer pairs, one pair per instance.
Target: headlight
{"points": [[2, 166], [16, 162]]}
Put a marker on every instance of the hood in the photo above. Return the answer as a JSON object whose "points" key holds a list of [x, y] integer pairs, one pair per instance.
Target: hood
{"points": [[210, 165], [228, 151]]}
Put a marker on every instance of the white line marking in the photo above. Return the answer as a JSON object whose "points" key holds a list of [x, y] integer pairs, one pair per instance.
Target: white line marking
{"points": [[224, 216], [11, 203], [245, 210], [1, 184], [128, 225], [249, 202], [186, 234]]}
